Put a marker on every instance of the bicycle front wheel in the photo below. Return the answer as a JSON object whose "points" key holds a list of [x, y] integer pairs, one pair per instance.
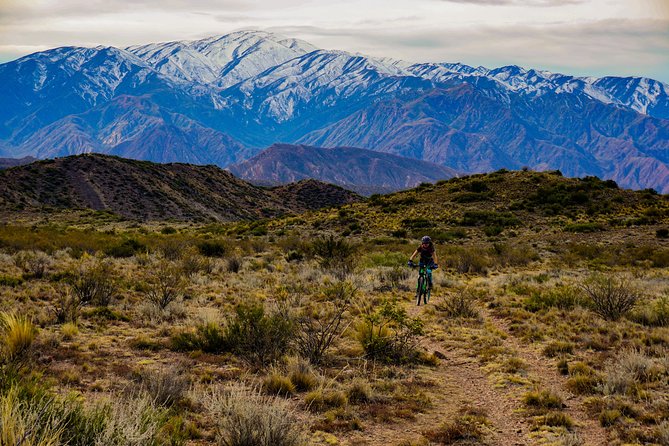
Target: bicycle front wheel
{"points": [[420, 289]]}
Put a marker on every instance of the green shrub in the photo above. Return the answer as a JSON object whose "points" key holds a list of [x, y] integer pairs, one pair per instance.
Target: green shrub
{"points": [[258, 337], [542, 400], [208, 337], [468, 427], [459, 305], [212, 248], [388, 334], [556, 348], [127, 248], [653, 314], [10, 281], [562, 297], [320, 400], [334, 254], [278, 384]]}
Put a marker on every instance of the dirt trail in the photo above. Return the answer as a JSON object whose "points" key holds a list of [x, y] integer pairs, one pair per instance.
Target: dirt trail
{"points": [[460, 381], [545, 372]]}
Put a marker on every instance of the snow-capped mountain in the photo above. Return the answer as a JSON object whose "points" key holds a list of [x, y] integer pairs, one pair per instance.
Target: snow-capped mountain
{"points": [[222, 99]]}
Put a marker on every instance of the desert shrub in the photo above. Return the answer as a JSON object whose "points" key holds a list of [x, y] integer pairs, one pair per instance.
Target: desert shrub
{"points": [[470, 426], [318, 327], [320, 400], [165, 285], [334, 254], [132, 421], [542, 400], [653, 314], [33, 263], [166, 386], [584, 227], [489, 218], [562, 297], [246, 418], [584, 384], [192, 263], [624, 373], [277, 384], [66, 305], [555, 348], [233, 265], [69, 330], [610, 297], [10, 281], [662, 233], [556, 419], [126, 248], [394, 277], [212, 248], [17, 334], [30, 423], [505, 254], [467, 260], [359, 391], [259, 337], [302, 375], [94, 282], [388, 334], [459, 304], [609, 417], [208, 337]]}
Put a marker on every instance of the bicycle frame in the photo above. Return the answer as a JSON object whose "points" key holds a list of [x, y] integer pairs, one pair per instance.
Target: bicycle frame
{"points": [[423, 290]]}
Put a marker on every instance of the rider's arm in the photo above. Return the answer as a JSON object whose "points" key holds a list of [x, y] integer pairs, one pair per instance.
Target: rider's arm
{"points": [[413, 255]]}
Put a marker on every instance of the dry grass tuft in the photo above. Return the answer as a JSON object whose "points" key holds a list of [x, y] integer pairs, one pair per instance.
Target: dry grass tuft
{"points": [[17, 334]]}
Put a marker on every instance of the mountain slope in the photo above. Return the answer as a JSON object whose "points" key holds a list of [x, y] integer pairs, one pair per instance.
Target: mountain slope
{"points": [[148, 191], [219, 100], [364, 171]]}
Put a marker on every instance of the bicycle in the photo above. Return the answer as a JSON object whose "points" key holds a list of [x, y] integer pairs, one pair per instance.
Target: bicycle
{"points": [[423, 288]]}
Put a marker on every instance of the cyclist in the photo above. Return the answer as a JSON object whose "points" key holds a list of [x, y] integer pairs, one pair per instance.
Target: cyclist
{"points": [[428, 257]]}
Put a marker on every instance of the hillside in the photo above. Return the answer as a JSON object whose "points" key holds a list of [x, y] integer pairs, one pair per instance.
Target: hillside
{"points": [[504, 204], [147, 191], [364, 171]]}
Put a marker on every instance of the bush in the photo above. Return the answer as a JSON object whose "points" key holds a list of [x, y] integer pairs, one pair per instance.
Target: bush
{"points": [[94, 283], [17, 334], [166, 387], [234, 264], [610, 297], [334, 254], [247, 418], [166, 285], [258, 337], [662, 233], [33, 263], [318, 328], [626, 371], [127, 248], [321, 400], [389, 334], [67, 306], [459, 304], [654, 314], [212, 248], [468, 426], [359, 391], [562, 297], [278, 384], [542, 400], [301, 374], [207, 337]]}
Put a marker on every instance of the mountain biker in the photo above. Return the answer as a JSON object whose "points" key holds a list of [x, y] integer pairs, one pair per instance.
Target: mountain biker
{"points": [[428, 256]]}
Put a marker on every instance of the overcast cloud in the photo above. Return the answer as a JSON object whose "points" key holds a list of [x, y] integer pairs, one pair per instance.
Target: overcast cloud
{"points": [[584, 37]]}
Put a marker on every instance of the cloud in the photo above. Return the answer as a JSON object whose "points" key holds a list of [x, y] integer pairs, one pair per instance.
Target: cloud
{"points": [[518, 2]]}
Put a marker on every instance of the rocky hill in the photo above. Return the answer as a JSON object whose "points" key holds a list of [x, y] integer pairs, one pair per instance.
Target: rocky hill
{"points": [[364, 171], [147, 191], [6, 163]]}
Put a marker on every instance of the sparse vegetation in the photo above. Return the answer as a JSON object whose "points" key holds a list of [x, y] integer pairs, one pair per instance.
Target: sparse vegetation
{"points": [[303, 330]]}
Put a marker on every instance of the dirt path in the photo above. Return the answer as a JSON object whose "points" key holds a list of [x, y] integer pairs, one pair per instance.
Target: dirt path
{"points": [[459, 382], [545, 373]]}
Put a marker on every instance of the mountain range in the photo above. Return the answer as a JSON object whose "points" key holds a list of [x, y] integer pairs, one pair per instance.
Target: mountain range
{"points": [[222, 100]]}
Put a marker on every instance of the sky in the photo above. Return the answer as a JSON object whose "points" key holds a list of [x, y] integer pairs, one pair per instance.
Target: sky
{"points": [[579, 37]]}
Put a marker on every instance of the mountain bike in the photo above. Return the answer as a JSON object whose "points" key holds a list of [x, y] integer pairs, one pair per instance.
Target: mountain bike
{"points": [[423, 288]]}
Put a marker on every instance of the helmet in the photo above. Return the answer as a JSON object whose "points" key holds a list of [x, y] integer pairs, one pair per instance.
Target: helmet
{"points": [[426, 239]]}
